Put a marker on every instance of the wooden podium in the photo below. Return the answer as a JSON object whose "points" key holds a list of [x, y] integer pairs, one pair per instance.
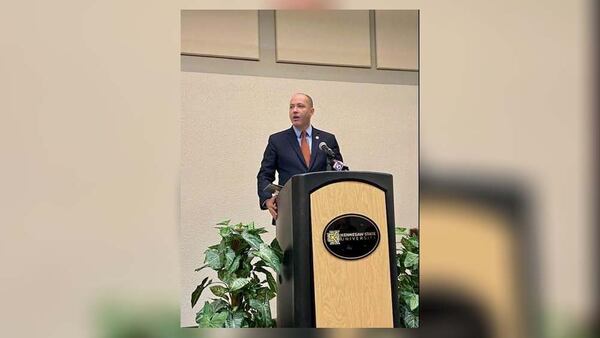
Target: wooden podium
{"points": [[336, 230]]}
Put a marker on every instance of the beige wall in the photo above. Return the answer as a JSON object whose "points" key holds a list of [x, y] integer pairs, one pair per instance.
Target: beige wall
{"points": [[91, 143], [384, 39], [323, 37], [397, 39], [226, 120], [220, 33]]}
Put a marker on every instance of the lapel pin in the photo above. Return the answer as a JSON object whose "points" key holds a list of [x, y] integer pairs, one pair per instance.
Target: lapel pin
{"points": [[317, 137]]}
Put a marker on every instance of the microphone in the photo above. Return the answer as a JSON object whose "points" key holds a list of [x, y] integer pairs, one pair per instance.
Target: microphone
{"points": [[324, 147], [333, 164]]}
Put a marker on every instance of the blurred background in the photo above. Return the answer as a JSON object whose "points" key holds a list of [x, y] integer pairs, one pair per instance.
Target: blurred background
{"points": [[91, 147]]}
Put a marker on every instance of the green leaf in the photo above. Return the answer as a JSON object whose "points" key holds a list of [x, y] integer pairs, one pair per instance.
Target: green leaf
{"points": [[247, 318], [213, 314], [213, 259], [226, 222], [255, 304], [269, 256], [238, 284], [220, 304], [225, 232], [412, 301], [252, 239], [272, 283], [226, 276], [222, 248], [200, 268], [245, 269], [205, 314], [236, 320], [411, 259], [261, 293], [410, 319], [208, 309], [219, 319], [239, 227], [277, 248], [229, 257], [414, 241], [405, 284], [402, 232], [264, 310], [219, 291], [196, 294], [409, 296], [257, 231], [234, 265], [202, 320]]}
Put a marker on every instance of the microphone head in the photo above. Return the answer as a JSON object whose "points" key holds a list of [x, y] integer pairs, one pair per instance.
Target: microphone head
{"points": [[323, 146]]}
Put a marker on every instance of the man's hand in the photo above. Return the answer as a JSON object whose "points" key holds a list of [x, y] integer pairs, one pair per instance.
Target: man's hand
{"points": [[271, 204]]}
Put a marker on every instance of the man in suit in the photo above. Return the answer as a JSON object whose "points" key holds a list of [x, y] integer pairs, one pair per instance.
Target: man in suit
{"points": [[294, 151]]}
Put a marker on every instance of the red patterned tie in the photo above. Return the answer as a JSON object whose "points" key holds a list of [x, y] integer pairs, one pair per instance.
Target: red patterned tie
{"points": [[304, 148]]}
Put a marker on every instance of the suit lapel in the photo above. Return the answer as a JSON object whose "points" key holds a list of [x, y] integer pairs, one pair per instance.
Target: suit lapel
{"points": [[294, 144], [314, 149]]}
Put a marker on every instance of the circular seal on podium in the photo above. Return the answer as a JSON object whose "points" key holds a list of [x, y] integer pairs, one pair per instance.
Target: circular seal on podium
{"points": [[351, 236]]}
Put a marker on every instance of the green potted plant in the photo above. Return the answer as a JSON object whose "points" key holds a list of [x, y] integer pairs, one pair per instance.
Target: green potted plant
{"points": [[245, 285], [407, 261]]}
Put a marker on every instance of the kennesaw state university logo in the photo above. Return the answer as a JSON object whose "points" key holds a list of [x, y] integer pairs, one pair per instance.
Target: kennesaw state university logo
{"points": [[333, 237], [351, 236]]}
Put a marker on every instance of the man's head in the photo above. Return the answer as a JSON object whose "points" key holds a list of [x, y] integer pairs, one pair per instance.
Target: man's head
{"points": [[301, 110]]}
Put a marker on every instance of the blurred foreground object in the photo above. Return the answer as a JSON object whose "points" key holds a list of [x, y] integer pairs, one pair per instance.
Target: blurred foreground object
{"points": [[477, 260]]}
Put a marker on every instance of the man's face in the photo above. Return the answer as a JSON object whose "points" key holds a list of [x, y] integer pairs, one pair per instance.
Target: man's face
{"points": [[300, 111]]}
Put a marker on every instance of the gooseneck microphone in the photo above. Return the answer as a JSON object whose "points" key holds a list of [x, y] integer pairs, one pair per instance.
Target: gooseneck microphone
{"points": [[324, 147], [332, 163]]}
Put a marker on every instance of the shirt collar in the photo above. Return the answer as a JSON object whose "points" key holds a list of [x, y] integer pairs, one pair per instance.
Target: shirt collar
{"points": [[298, 131]]}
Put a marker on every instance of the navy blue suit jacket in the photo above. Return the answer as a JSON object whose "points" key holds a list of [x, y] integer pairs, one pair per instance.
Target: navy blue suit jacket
{"points": [[283, 155]]}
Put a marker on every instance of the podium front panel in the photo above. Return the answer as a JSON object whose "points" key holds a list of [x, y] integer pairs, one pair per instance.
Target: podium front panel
{"points": [[350, 291]]}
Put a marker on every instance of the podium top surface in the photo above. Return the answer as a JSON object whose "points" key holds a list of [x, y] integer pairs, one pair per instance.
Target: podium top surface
{"points": [[316, 179], [345, 173]]}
